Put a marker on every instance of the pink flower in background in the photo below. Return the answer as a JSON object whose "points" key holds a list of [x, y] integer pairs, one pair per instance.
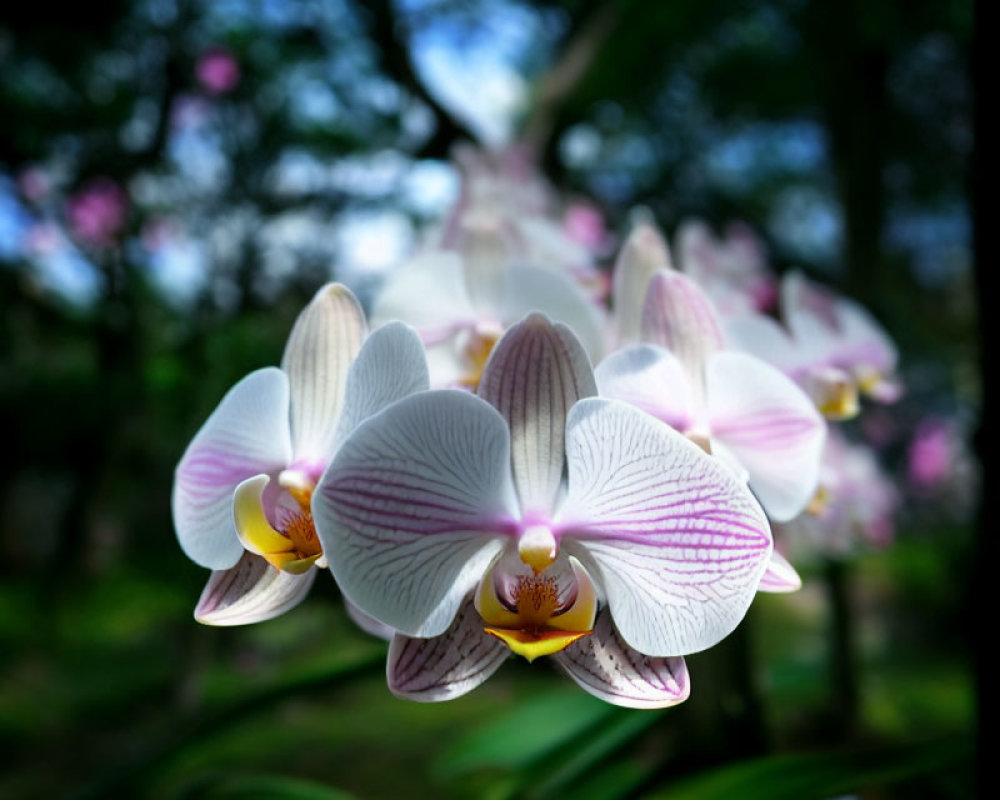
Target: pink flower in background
{"points": [[218, 72], [96, 213], [931, 454], [585, 224]]}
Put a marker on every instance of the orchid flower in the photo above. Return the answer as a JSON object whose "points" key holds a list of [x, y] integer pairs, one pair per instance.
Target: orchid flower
{"points": [[243, 489], [538, 519], [732, 271], [855, 503], [734, 405], [830, 345], [460, 304]]}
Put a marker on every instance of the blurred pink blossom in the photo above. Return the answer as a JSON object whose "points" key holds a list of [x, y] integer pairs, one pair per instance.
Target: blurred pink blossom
{"points": [[218, 72], [97, 211], [932, 454], [585, 224]]}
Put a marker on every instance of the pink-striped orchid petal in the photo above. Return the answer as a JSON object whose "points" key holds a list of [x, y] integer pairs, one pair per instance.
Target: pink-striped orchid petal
{"points": [[679, 316], [391, 365], [676, 541], [324, 341], [246, 435], [252, 591], [410, 512], [557, 296], [428, 293], [606, 667], [780, 576], [447, 666], [536, 372], [644, 253], [770, 426], [368, 623], [649, 378]]}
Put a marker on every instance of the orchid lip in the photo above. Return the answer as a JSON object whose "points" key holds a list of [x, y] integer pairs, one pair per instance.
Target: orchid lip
{"points": [[293, 546], [536, 621]]}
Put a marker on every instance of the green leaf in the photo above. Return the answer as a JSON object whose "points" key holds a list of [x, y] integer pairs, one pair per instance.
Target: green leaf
{"points": [[817, 775], [262, 787], [527, 733]]}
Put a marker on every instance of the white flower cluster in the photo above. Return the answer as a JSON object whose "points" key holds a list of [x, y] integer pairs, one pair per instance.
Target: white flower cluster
{"points": [[477, 486]]}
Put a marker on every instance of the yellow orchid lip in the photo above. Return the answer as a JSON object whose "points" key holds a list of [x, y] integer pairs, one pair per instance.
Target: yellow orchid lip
{"points": [[532, 644], [294, 550], [538, 626]]}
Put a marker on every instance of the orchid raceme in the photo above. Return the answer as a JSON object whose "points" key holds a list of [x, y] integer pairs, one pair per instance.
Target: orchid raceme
{"points": [[242, 497], [735, 405], [539, 519], [830, 345]]}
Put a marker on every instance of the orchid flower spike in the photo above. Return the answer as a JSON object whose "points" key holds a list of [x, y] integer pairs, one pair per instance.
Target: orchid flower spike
{"points": [[242, 495], [539, 519]]}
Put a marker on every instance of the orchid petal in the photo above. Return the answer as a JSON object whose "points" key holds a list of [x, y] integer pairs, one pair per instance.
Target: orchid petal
{"points": [[485, 253], [675, 540], [447, 666], [246, 435], [780, 576], [409, 511], [606, 667], [557, 296], [251, 591], [536, 372], [643, 254], [865, 342], [765, 338], [679, 316], [323, 343], [368, 623], [649, 378], [770, 426], [390, 366], [428, 293]]}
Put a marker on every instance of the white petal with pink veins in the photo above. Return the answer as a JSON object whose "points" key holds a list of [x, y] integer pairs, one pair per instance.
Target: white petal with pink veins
{"points": [[770, 426], [324, 341], [675, 540], [447, 666], [251, 591], [412, 509], [535, 374], [246, 435], [606, 667], [780, 576], [649, 378]]}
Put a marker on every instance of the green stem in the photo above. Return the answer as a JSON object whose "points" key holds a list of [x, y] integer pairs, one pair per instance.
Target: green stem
{"points": [[845, 698]]}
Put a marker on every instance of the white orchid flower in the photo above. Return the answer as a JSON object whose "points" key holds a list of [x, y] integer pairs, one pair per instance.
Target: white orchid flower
{"points": [[243, 489], [460, 304], [828, 344], [539, 519], [734, 405]]}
